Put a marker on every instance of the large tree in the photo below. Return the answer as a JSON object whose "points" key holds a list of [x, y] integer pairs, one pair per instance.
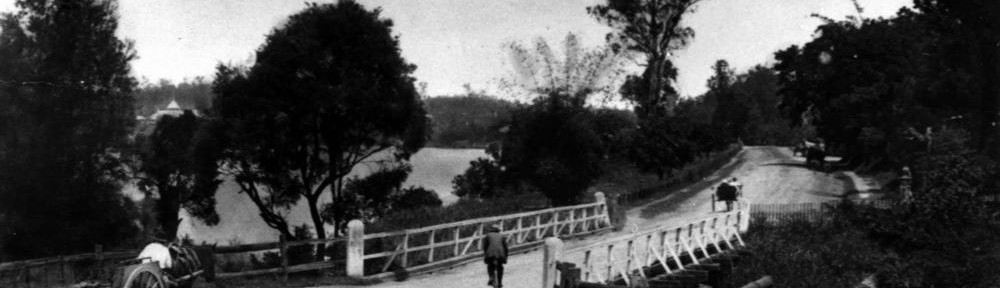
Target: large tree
{"points": [[731, 113], [652, 28], [65, 116], [329, 90], [178, 164], [974, 46]]}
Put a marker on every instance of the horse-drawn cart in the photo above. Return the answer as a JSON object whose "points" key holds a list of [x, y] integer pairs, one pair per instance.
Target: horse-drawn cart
{"points": [[180, 271]]}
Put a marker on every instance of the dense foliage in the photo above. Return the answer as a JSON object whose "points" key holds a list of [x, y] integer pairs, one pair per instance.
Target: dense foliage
{"points": [[552, 146], [377, 194], [653, 29], [328, 90], [872, 86], [65, 114], [178, 164]]}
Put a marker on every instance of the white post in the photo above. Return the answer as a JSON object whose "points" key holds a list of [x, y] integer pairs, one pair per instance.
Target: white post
{"points": [[743, 216], [553, 251], [600, 198], [355, 248]]}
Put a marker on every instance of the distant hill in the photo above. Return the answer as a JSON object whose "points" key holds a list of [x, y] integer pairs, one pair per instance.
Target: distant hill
{"points": [[471, 120]]}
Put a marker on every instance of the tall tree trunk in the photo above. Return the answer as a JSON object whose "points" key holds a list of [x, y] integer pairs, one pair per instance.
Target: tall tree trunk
{"points": [[314, 214], [168, 207], [318, 223], [654, 84]]}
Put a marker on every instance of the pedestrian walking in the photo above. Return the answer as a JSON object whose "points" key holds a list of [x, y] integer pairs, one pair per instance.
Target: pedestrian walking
{"points": [[726, 192], [495, 251], [739, 186]]}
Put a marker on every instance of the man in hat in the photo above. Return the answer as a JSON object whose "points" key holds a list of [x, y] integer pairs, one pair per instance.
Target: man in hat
{"points": [[495, 250]]}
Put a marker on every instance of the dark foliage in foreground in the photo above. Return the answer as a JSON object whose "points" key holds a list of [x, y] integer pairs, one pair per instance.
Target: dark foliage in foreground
{"points": [[65, 114]]}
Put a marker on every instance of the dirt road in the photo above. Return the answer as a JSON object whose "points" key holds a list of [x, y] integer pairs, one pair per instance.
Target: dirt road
{"points": [[768, 174]]}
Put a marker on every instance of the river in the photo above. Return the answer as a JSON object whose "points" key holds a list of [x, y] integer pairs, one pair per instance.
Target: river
{"points": [[240, 223]]}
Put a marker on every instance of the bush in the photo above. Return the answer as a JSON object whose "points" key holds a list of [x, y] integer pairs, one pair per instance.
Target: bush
{"points": [[552, 146], [414, 198], [481, 180], [378, 193], [810, 254]]}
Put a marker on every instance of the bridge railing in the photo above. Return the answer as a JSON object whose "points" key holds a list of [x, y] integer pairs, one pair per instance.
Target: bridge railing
{"points": [[618, 257], [427, 248]]}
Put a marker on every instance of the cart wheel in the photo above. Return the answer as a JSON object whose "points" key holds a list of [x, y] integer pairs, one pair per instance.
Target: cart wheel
{"points": [[145, 277]]}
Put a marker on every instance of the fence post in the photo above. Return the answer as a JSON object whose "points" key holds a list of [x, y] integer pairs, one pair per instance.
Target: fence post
{"points": [[62, 270], [713, 202], [601, 198], [99, 255], [355, 248], [283, 248], [743, 217], [553, 251]]}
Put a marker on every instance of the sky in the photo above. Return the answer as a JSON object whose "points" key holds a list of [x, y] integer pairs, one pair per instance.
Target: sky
{"points": [[454, 42]]}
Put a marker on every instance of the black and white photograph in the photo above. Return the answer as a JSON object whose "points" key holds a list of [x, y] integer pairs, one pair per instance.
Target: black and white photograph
{"points": [[499, 143]]}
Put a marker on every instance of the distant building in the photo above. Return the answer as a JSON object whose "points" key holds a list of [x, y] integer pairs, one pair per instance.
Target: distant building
{"points": [[173, 109], [145, 125]]}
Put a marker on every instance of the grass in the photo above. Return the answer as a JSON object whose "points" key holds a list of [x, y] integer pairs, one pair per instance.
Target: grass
{"points": [[809, 254], [856, 243], [632, 186]]}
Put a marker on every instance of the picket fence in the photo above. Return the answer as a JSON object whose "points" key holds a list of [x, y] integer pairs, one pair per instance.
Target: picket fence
{"points": [[618, 257], [428, 248]]}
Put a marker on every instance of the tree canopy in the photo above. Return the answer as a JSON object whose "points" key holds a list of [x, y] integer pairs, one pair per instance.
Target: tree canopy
{"points": [[65, 115], [329, 89], [654, 29], [178, 164]]}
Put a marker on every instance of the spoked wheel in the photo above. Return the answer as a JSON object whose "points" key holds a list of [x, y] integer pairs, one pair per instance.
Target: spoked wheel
{"points": [[145, 277]]}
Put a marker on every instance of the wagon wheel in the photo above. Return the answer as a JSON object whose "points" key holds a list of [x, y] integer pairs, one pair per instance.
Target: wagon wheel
{"points": [[145, 277]]}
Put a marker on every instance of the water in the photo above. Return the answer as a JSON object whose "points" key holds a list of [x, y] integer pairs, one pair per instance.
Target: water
{"points": [[240, 222]]}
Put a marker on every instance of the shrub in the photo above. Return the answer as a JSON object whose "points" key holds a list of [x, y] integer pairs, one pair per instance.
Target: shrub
{"points": [[481, 180], [414, 198], [552, 146]]}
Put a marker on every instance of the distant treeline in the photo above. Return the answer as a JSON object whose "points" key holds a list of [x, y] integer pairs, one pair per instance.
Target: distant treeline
{"points": [[470, 120]]}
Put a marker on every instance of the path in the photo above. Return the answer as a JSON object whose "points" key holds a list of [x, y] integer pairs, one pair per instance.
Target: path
{"points": [[769, 175]]}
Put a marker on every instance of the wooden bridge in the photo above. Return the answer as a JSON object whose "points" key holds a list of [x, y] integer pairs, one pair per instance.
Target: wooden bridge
{"points": [[676, 255], [441, 246]]}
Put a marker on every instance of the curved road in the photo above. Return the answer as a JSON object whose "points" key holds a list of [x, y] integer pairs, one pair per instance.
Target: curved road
{"points": [[768, 174]]}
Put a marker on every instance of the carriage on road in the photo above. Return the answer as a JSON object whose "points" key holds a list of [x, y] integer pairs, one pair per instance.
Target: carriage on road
{"points": [[161, 266], [814, 152]]}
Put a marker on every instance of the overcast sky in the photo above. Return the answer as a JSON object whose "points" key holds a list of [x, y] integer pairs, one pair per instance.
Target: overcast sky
{"points": [[453, 42]]}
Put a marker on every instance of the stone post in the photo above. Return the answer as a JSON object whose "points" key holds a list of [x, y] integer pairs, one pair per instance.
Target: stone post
{"points": [[905, 184], [553, 251], [355, 248]]}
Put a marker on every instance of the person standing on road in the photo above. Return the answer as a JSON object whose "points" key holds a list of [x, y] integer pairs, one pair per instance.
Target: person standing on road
{"points": [[495, 250]]}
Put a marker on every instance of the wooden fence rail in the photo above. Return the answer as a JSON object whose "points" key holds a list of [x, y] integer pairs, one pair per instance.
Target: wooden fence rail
{"points": [[61, 270], [379, 254], [618, 257]]}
